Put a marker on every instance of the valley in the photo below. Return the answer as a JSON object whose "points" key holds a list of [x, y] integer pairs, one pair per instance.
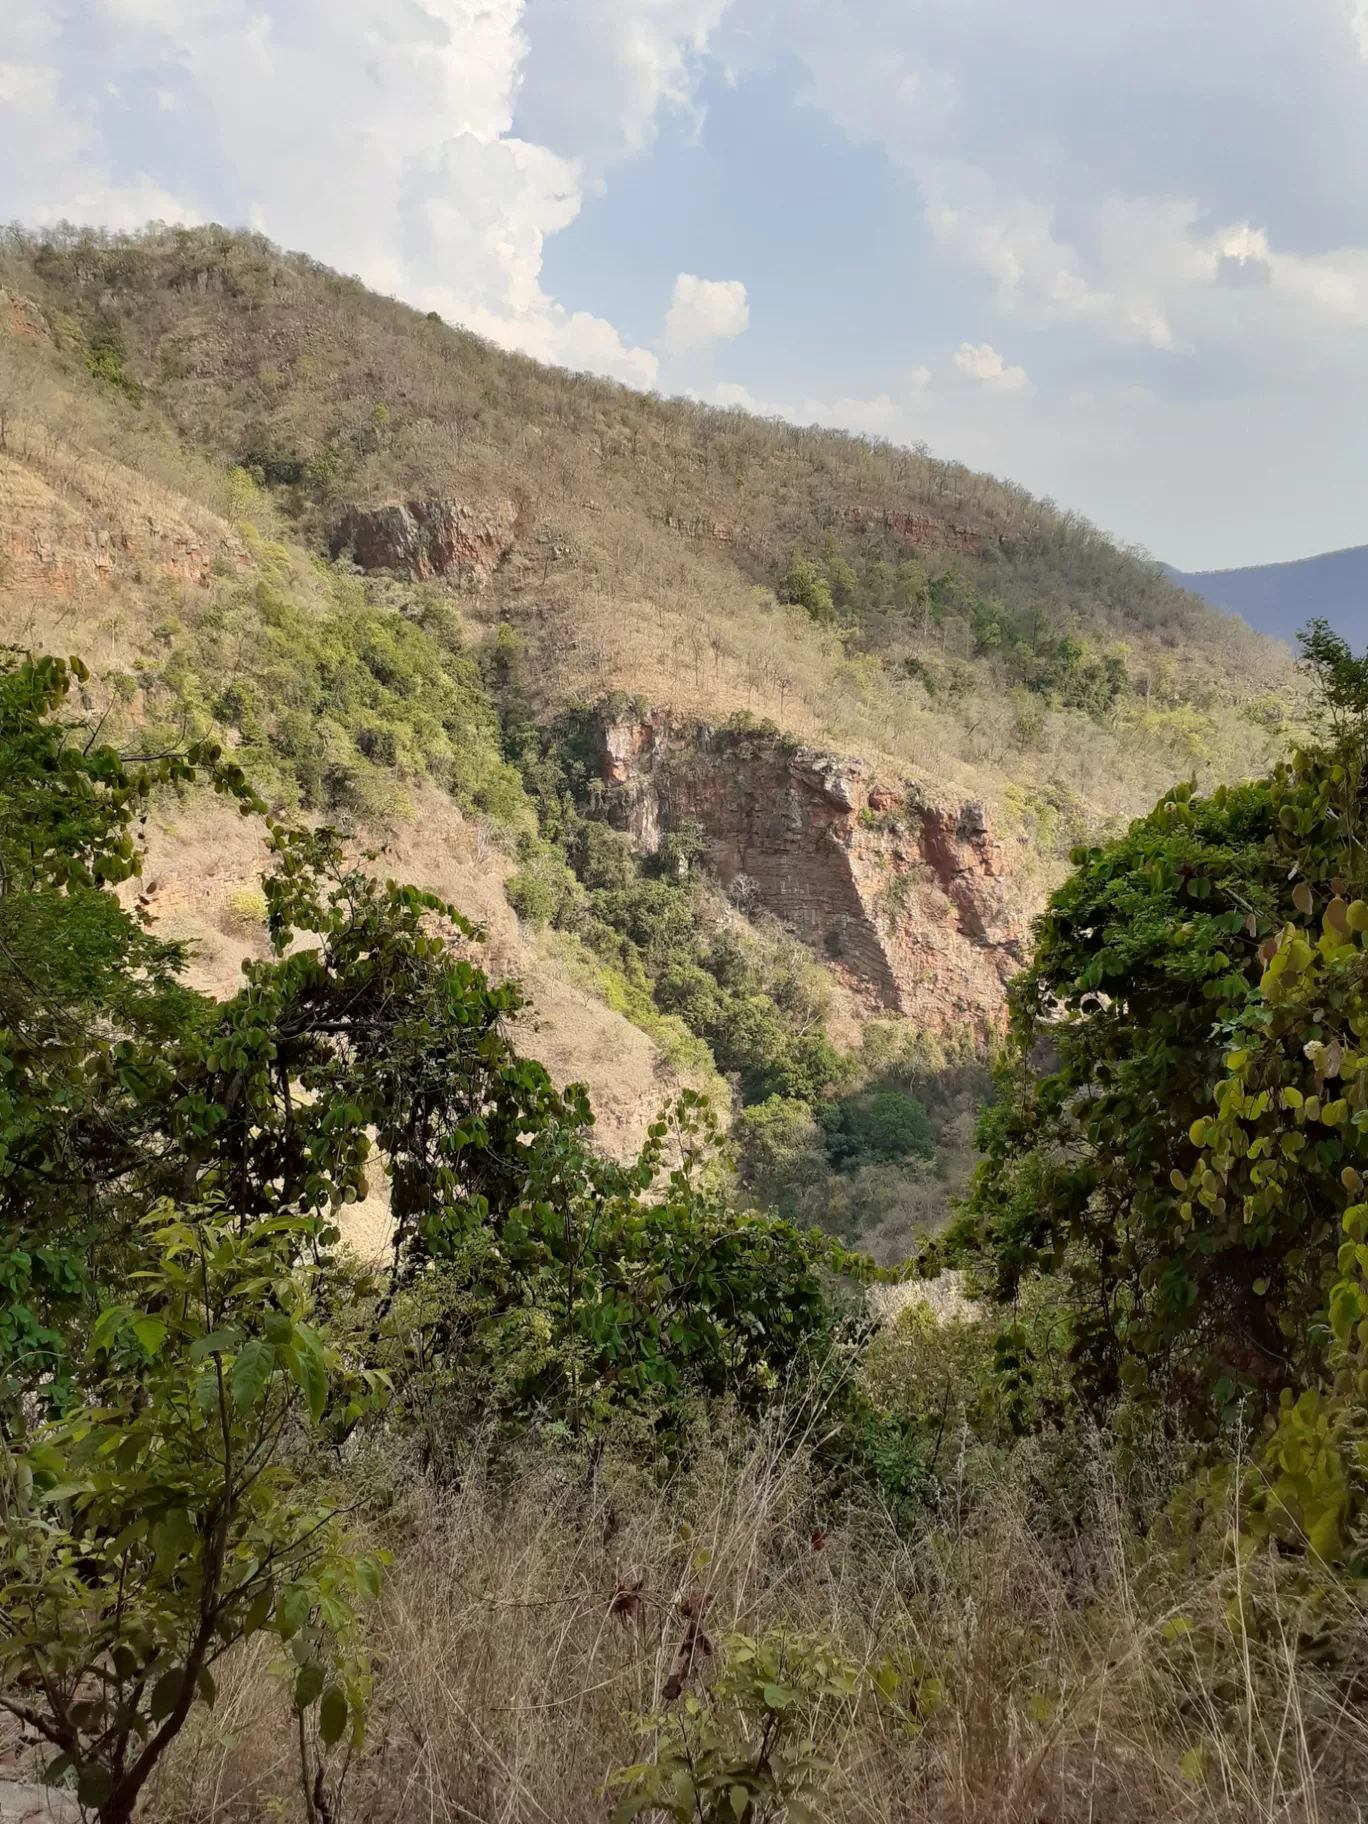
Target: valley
{"points": [[884, 696]]}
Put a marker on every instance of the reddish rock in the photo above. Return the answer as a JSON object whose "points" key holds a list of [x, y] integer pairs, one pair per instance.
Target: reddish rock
{"points": [[62, 544], [427, 538], [918, 529], [20, 316], [911, 906]]}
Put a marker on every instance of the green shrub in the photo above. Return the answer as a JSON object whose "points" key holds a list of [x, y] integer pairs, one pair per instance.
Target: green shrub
{"points": [[531, 897], [877, 1126]]}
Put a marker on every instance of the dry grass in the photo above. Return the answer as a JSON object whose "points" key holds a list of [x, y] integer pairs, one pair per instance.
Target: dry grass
{"points": [[1083, 1678]]}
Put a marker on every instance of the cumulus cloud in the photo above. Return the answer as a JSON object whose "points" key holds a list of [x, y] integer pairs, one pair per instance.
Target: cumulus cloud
{"points": [[981, 361], [378, 135], [1089, 164], [704, 311], [599, 72]]}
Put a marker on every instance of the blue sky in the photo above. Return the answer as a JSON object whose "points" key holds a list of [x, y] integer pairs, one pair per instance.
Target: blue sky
{"points": [[1118, 252]]}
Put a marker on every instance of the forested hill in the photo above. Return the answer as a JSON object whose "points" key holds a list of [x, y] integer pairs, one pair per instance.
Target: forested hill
{"points": [[1278, 599], [948, 617]]}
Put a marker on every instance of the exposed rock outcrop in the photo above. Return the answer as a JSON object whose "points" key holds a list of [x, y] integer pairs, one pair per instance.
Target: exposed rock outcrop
{"points": [[428, 538], [62, 544], [20, 316], [909, 901], [920, 529]]}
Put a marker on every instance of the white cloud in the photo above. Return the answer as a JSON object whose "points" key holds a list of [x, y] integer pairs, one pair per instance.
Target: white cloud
{"points": [[875, 416], [378, 135], [27, 86], [1358, 24], [704, 311], [1038, 275], [600, 71], [981, 361]]}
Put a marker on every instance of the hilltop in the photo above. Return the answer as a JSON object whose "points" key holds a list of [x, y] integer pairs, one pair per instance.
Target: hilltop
{"points": [[949, 619]]}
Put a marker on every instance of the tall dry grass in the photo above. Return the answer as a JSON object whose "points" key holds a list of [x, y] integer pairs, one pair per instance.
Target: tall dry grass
{"points": [[1083, 1675]]}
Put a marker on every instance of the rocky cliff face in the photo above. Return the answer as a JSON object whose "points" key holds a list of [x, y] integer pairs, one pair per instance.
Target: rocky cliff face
{"points": [[429, 538], [62, 544], [911, 902]]}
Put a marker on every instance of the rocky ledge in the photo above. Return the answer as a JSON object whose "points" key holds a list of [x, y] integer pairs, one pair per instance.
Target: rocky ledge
{"points": [[909, 901], [429, 538]]}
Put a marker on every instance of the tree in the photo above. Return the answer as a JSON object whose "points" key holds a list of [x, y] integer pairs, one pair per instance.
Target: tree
{"points": [[1182, 1125], [155, 1523], [169, 1171]]}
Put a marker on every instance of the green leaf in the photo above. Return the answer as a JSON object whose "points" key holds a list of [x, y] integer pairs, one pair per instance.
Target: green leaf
{"points": [[293, 1610], [259, 1610], [151, 1334], [252, 1373], [164, 1695], [332, 1715], [218, 1342], [308, 1686], [309, 1372], [279, 1327]]}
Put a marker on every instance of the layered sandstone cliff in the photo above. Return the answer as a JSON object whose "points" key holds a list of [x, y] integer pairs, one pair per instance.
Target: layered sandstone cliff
{"points": [[910, 901]]}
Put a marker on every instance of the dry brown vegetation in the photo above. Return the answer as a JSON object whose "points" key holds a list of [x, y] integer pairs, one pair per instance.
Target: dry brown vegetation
{"points": [[1055, 1665]]}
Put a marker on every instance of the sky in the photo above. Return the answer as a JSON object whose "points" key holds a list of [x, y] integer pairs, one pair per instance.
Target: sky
{"points": [[1116, 251]]}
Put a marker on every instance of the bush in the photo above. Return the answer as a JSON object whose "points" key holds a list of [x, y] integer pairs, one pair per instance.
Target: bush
{"points": [[531, 897], [878, 1126]]}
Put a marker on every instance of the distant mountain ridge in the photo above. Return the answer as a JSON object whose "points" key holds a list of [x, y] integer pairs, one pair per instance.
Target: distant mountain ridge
{"points": [[1279, 599]]}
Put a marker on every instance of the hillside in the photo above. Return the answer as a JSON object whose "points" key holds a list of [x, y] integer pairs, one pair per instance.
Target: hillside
{"points": [[773, 739], [642, 541], [1278, 599]]}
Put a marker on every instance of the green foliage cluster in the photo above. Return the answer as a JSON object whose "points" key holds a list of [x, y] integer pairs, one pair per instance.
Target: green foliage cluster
{"points": [[883, 1123], [1182, 1128], [106, 355], [337, 699], [750, 1752], [177, 1326], [943, 626]]}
